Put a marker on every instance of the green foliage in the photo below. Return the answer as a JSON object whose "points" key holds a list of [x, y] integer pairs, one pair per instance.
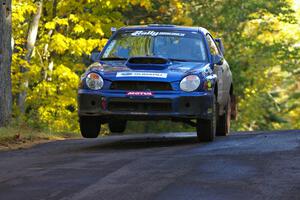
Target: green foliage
{"points": [[260, 38]]}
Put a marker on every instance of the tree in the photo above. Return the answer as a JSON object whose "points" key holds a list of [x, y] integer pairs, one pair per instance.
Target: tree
{"points": [[30, 44], [67, 32], [5, 62], [261, 38]]}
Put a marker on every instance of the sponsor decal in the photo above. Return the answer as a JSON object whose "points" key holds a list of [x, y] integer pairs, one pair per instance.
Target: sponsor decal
{"points": [[154, 33], [139, 93], [142, 74]]}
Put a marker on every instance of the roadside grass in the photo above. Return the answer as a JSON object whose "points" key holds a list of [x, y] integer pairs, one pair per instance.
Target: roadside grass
{"points": [[18, 137]]}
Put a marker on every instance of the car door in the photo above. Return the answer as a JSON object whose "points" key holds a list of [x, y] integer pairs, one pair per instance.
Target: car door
{"points": [[221, 71]]}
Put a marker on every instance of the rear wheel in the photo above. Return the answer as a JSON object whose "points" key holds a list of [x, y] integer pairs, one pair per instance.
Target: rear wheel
{"points": [[89, 126], [117, 126], [206, 128], [223, 124]]}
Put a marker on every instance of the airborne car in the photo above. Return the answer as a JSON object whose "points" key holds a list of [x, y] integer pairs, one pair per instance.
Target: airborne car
{"points": [[158, 72]]}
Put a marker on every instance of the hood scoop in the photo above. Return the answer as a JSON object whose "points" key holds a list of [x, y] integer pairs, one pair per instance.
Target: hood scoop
{"points": [[148, 63]]}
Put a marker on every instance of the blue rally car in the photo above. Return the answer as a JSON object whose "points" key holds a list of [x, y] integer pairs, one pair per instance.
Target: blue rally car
{"points": [[158, 72]]}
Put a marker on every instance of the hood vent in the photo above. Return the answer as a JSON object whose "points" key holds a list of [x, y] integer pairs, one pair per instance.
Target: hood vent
{"points": [[151, 63]]}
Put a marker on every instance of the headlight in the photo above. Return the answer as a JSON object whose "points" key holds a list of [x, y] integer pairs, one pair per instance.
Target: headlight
{"points": [[190, 83], [94, 81]]}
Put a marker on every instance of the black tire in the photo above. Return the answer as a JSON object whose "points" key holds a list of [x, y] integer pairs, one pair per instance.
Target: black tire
{"points": [[117, 126], [89, 126], [206, 128], [223, 123]]}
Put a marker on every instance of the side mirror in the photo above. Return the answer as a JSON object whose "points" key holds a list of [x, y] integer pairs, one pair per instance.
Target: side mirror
{"points": [[95, 56], [113, 30], [217, 59], [220, 45]]}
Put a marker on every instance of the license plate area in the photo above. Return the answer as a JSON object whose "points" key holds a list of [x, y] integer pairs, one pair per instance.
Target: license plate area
{"points": [[139, 105]]}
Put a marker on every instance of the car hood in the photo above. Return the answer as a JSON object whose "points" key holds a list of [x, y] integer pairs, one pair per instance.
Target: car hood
{"points": [[174, 71]]}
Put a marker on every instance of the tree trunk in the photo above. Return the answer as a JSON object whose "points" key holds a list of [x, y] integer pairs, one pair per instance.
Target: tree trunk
{"points": [[5, 62], [47, 55], [31, 39]]}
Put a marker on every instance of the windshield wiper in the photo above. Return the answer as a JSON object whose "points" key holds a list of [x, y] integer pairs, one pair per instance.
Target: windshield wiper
{"points": [[114, 58]]}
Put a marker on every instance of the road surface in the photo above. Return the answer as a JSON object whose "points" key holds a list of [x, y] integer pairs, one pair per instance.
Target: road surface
{"points": [[244, 166]]}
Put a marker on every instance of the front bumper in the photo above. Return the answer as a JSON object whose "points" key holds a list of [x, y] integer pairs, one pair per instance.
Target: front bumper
{"points": [[175, 105]]}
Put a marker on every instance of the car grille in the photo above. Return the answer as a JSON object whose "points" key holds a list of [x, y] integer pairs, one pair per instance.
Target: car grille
{"points": [[140, 86], [120, 105]]}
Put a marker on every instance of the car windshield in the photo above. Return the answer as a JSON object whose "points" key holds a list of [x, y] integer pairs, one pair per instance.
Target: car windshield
{"points": [[177, 46]]}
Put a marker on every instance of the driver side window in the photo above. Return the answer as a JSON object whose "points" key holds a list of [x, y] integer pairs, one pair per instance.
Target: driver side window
{"points": [[212, 46]]}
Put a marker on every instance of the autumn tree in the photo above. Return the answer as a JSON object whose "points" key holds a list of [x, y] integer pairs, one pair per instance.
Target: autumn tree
{"points": [[52, 55], [29, 48], [54, 38]]}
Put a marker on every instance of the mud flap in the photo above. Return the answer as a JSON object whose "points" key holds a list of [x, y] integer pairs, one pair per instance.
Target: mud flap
{"points": [[234, 112]]}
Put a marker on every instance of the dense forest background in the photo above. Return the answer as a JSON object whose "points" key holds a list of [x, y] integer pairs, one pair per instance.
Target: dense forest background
{"points": [[53, 39]]}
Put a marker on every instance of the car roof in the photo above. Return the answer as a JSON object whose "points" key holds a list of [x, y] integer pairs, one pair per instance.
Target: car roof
{"points": [[165, 27]]}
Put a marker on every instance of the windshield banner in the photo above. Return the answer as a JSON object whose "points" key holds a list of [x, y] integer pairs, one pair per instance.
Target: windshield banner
{"points": [[154, 33]]}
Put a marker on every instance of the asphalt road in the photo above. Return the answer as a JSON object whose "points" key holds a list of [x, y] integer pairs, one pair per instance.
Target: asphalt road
{"points": [[171, 166]]}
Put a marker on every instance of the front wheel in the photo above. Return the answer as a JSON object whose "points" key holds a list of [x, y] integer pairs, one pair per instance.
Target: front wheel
{"points": [[206, 128], [89, 126]]}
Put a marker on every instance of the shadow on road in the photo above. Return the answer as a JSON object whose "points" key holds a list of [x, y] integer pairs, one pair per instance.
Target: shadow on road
{"points": [[143, 143]]}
